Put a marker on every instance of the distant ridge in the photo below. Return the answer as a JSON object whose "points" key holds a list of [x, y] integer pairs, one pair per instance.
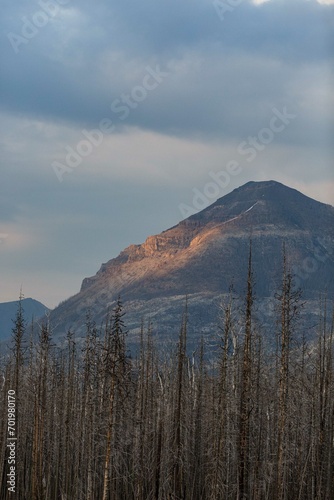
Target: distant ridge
{"points": [[202, 255], [32, 310]]}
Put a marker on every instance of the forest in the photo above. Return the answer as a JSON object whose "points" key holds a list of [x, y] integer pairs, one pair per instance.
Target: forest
{"points": [[88, 420]]}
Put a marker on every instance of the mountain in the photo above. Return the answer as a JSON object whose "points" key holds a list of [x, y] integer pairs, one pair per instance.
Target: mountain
{"points": [[203, 255], [32, 310]]}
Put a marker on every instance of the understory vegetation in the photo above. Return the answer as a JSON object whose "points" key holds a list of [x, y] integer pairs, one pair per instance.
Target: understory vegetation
{"points": [[93, 422]]}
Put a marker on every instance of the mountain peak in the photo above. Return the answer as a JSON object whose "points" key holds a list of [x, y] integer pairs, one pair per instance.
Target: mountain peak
{"points": [[264, 184], [204, 254], [262, 204], [256, 190]]}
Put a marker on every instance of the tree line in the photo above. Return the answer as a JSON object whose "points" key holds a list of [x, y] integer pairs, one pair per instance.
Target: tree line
{"points": [[93, 422]]}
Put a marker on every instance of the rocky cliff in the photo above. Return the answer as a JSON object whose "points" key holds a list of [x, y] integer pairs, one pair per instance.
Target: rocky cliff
{"points": [[203, 255]]}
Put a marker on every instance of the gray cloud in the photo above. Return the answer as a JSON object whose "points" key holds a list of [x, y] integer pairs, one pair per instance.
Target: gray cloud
{"points": [[252, 54], [224, 79]]}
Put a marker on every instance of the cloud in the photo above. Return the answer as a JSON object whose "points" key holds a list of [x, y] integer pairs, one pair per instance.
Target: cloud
{"points": [[223, 80], [80, 62]]}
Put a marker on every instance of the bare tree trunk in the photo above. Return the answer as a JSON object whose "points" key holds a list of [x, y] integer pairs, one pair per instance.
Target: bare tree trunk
{"points": [[109, 441], [289, 299], [245, 391]]}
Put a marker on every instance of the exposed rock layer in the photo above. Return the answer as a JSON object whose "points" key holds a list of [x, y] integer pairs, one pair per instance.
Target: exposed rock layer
{"points": [[203, 255]]}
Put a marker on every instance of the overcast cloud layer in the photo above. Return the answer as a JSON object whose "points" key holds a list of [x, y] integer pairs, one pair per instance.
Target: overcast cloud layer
{"points": [[113, 114]]}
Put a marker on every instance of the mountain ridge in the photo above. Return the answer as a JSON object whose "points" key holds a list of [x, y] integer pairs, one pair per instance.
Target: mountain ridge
{"points": [[202, 255]]}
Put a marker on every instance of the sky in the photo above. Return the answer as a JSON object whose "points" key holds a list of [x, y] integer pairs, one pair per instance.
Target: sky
{"points": [[119, 119]]}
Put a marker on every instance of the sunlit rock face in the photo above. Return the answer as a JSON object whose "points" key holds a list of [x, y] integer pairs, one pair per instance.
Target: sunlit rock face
{"points": [[204, 255]]}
